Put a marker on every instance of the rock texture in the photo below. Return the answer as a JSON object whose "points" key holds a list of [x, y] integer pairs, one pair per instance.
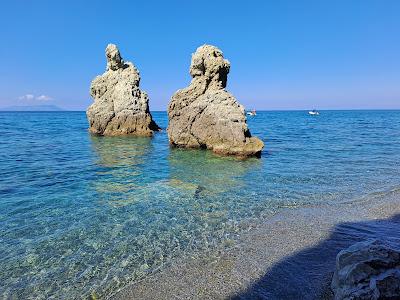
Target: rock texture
{"points": [[120, 107], [368, 270], [205, 115]]}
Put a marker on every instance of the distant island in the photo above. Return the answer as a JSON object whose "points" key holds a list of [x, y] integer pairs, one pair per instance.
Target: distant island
{"points": [[32, 108]]}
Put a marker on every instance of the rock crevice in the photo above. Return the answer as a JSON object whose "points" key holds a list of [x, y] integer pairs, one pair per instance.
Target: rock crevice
{"points": [[120, 107], [205, 115]]}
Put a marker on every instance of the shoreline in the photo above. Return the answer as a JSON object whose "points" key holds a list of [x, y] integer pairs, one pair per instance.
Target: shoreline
{"points": [[288, 256]]}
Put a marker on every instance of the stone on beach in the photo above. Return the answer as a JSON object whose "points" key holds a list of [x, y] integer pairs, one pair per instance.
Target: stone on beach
{"points": [[368, 270], [205, 115], [120, 107]]}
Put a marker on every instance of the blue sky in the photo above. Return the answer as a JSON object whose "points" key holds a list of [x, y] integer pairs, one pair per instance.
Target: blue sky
{"points": [[283, 54]]}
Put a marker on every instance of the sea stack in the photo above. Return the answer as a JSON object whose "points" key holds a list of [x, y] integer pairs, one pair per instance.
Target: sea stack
{"points": [[120, 107], [205, 115]]}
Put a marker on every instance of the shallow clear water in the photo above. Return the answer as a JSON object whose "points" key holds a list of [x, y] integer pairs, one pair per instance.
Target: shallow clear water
{"points": [[83, 215]]}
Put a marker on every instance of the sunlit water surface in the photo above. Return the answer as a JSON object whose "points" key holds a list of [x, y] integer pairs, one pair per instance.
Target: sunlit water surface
{"points": [[82, 215]]}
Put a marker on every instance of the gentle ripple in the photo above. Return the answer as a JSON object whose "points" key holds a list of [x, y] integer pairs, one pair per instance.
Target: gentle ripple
{"points": [[83, 215]]}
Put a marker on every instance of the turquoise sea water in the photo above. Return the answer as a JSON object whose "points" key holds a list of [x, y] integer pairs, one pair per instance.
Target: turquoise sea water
{"points": [[82, 215]]}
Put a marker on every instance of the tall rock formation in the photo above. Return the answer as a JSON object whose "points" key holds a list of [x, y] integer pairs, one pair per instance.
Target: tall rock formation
{"points": [[120, 107], [205, 115]]}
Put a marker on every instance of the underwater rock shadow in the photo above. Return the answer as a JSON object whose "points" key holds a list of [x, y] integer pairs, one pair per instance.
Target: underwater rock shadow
{"points": [[307, 274]]}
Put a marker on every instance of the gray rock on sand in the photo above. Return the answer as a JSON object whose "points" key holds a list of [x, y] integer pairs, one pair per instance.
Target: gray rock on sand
{"points": [[368, 270], [205, 115], [120, 107]]}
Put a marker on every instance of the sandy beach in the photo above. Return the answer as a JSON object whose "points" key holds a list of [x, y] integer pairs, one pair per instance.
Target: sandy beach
{"points": [[290, 256]]}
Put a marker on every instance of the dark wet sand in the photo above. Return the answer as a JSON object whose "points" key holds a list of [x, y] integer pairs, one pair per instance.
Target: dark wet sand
{"points": [[289, 256]]}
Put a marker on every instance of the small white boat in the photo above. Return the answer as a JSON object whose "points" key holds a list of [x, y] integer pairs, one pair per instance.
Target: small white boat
{"points": [[252, 113], [313, 112]]}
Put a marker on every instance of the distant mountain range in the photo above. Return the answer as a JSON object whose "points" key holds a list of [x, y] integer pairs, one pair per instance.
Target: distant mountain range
{"points": [[32, 108]]}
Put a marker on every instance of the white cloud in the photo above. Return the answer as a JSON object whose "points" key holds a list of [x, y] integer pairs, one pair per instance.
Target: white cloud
{"points": [[27, 97], [44, 98], [33, 97]]}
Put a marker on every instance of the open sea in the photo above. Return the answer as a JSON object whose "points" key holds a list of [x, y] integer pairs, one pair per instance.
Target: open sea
{"points": [[84, 215]]}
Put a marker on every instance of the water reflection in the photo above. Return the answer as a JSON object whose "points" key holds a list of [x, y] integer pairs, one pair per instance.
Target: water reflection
{"points": [[120, 163], [120, 151], [207, 173], [130, 170]]}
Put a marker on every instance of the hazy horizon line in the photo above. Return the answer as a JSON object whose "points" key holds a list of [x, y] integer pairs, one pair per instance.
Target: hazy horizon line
{"points": [[260, 110]]}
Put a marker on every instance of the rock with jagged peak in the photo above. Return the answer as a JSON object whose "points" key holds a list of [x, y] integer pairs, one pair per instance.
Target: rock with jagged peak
{"points": [[205, 115], [120, 107]]}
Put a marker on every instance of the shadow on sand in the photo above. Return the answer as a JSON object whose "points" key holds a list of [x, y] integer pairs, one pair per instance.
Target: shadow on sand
{"points": [[307, 274]]}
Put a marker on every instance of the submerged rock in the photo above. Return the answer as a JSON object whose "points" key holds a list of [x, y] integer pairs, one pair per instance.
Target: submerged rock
{"points": [[205, 115], [120, 107], [368, 270]]}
